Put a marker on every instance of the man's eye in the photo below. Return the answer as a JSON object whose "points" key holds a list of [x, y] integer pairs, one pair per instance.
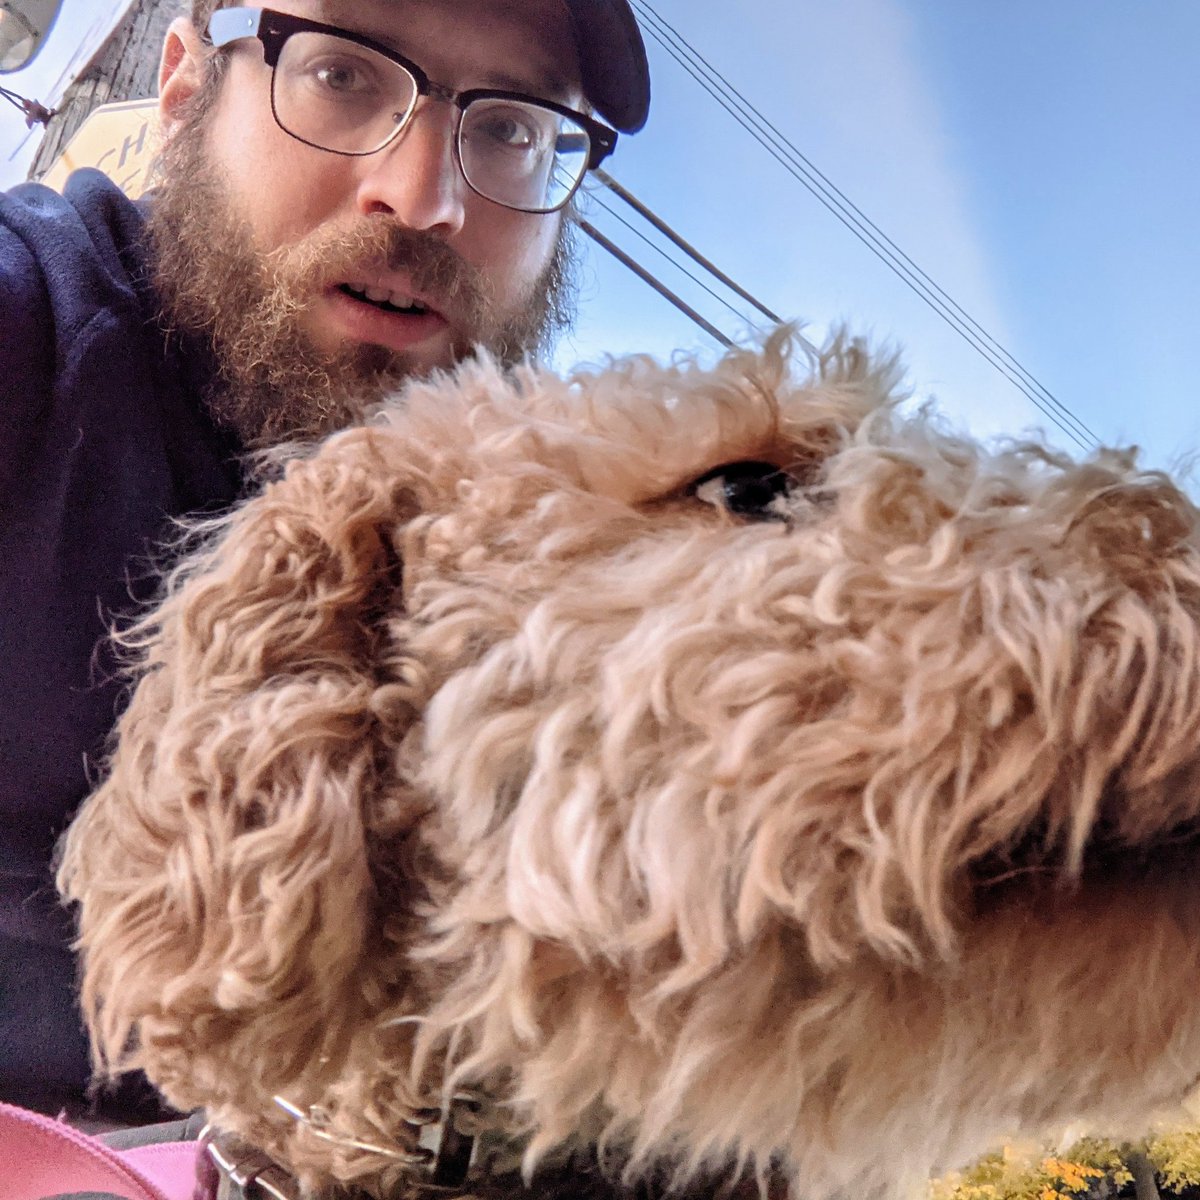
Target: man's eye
{"points": [[343, 77], [510, 131]]}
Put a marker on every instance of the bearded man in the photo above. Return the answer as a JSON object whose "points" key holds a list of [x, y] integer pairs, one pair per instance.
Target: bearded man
{"points": [[352, 191]]}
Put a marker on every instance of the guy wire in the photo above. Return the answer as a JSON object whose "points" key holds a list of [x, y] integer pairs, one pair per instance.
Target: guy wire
{"points": [[768, 136]]}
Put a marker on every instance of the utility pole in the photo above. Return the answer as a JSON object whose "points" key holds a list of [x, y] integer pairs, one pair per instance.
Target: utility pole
{"points": [[124, 68]]}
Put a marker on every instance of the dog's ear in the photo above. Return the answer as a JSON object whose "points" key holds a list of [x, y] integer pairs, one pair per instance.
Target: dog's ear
{"points": [[223, 886]]}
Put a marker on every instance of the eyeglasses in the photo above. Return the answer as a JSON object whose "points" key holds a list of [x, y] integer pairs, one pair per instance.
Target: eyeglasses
{"points": [[340, 91]]}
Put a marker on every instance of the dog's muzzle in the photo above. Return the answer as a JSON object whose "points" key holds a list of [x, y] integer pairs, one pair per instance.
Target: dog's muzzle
{"points": [[749, 489]]}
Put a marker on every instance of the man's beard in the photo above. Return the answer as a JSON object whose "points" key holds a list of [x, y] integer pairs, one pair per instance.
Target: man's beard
{"points": [[274, 384]]}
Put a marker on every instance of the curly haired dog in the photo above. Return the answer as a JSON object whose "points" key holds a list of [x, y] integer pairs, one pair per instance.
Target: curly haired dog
{"points": [[722, 770]]}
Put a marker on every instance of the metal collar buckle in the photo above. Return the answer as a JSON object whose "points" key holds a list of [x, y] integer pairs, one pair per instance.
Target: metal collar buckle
{"points": [[258, 1177], [442, 1169]]}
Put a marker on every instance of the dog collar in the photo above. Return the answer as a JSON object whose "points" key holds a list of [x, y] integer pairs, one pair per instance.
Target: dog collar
{"points": [[232, 1169]]}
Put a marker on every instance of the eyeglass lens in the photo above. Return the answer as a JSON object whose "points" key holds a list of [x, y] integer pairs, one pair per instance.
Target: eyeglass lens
{"points": [[340, 96]]}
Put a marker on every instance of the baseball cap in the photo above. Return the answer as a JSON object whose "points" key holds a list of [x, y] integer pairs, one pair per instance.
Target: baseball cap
{"points": [[612, 55]]}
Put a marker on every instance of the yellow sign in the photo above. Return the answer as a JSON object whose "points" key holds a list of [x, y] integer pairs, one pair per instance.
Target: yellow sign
{"points": [[119, 139]]}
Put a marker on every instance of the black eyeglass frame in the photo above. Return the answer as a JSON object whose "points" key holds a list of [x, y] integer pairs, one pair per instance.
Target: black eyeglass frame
{"points": [[273, 28]]}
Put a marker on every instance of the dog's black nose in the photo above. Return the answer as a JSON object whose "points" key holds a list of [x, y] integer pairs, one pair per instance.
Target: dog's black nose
{"points": [[747, 489]]}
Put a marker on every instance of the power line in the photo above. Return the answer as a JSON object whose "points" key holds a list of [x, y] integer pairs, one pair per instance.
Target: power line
{"points": [[665, 229], [785, 152], [656, 284], [678, 240], [596, 198], [35, 113], [833, 199]]}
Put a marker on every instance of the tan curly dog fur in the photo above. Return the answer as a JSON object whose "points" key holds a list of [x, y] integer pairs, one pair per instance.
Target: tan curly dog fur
{"points": [[482, 750]]}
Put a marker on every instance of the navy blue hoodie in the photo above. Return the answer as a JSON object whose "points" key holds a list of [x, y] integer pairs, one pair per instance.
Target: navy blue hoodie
{"points": [[103, 438]]}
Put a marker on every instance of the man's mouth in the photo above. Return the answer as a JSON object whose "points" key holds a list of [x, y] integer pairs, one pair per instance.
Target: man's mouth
{"points": [[384, 299], [372, 314]]}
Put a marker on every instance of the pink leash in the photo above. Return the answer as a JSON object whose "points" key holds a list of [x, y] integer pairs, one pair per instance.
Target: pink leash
{"points": [[42, 1157]]}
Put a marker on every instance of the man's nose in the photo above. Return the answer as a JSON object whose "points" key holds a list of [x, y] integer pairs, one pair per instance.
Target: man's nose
{"points": [[417, 179]]}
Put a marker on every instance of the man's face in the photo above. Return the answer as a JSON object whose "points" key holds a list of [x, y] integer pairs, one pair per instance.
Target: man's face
{"points": [[261, 238]]}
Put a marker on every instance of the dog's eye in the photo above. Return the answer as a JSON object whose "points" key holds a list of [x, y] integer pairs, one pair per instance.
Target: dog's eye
{"points": [[747, 489]]}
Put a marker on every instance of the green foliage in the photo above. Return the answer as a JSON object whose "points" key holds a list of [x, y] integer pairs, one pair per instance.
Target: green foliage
{"points": [[1176, 1157], [1089, 1170]]}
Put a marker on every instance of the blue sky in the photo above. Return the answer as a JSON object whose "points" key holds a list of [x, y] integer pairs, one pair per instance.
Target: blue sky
{"points": [[1035, 157]]}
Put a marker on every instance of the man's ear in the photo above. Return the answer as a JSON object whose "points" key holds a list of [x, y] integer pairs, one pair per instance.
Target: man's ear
{"points": [[180, 72]]}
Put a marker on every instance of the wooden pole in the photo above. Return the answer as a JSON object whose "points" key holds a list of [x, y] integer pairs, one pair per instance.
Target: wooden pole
{"points": [[124, 68]]}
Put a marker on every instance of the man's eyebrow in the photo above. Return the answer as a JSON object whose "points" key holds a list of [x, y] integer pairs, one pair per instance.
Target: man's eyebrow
{"points": [[543, 82], [543, 88]]}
